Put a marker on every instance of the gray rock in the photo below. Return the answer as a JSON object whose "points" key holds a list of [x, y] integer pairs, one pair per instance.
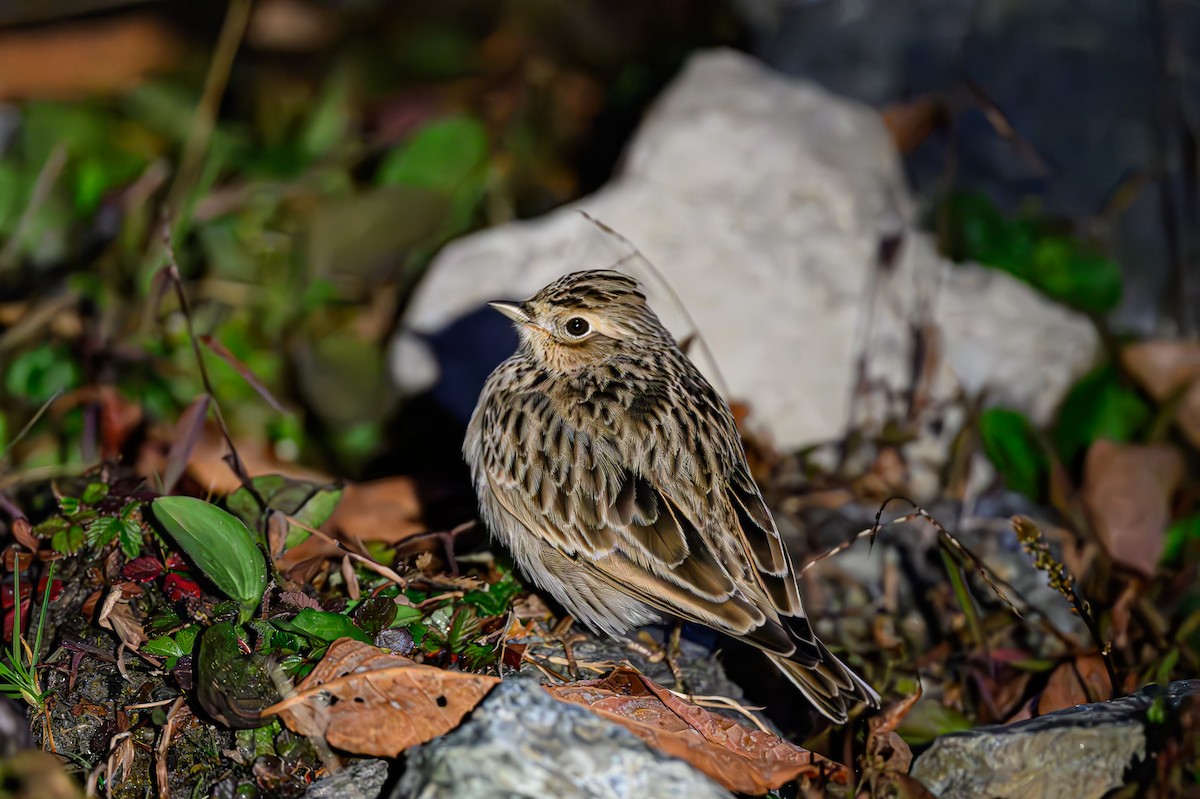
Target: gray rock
{"points": [[1082, 752], [362, 779], [522, 743], [779, 214]]}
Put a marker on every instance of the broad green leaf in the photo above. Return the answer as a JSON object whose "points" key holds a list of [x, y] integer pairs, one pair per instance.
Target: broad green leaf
{"points": [[231, 685], [443, 155], [1063, 268], [174, 646], [1012, 446], [308, 503], [322, 625], [1099, 406], [928, 719], [163, 647], [406, 615], [220, 545], [39, 373], [1064, 271]]}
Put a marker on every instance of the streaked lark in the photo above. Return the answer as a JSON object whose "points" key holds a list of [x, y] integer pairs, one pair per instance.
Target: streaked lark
{"points": [[613, 472]]}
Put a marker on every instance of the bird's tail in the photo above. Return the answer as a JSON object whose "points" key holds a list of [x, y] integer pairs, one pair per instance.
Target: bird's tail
{"points": [[827, 683]]}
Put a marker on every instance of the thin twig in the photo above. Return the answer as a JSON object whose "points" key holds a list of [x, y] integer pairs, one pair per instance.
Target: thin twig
{"points": [[374, 566]]}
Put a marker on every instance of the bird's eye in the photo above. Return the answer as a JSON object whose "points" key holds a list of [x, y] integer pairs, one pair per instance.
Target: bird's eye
{"points": [[577, 326]]}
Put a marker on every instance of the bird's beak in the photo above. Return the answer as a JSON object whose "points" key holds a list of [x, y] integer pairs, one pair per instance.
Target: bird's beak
{"points": [[513, 311]]}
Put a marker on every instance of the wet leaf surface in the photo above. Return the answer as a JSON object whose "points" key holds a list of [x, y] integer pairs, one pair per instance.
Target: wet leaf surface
{"points": [[364, 700], [734, 754]]}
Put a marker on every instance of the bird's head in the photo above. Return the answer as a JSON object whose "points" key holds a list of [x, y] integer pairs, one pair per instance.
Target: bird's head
{"points": [[583, 318]]}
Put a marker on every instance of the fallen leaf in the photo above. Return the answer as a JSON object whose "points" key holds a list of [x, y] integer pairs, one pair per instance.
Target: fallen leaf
{"points": [[69, 61], [1076, 682], [364, 700], [1162, 367], [737, 756], [386, 510], [118, 419], [187, 432], [1127, 490], [116, 614], [912, 122], [1166, 369], [142, 570], [22, 531], [887, 753]]}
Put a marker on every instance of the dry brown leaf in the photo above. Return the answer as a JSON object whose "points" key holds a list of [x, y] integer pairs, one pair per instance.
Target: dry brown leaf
{"points": [[365, 700], [1187, 416], [913, 122], [1127, 490], [72, 60], [116, 614], [207, 467], [22, 531], [739, 757], [887, 753], [1162, 367], [1165, 368], [386, 510], [1076, 682]]}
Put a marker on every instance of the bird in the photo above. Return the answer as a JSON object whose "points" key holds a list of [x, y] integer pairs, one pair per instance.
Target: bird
{"points": [[614, 473]]}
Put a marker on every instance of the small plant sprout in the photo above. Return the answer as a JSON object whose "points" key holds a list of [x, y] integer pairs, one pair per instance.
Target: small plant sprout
{"points": [[18, 666]]}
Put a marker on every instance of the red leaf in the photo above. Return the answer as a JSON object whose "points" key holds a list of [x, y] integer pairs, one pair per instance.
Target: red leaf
{"points": [[55, 588], [177, 587], [142, 570]]}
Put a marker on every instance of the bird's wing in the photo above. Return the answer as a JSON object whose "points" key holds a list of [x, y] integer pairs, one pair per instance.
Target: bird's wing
{"points": [[636, 527]]}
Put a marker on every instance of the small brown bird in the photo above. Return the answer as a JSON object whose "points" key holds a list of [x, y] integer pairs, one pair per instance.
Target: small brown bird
{"points": [[614, 473]]}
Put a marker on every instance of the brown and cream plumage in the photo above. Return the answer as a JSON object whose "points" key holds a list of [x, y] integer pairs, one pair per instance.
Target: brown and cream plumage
{"points": [[614, 473]]}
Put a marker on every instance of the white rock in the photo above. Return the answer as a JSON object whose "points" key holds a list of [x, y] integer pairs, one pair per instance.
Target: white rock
{"points": [[765, 202]]}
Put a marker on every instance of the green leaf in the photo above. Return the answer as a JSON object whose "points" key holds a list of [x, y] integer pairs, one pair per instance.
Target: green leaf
{"points": [[174, 646], [496, 598], [929, 719], [443, 155], [38, 374], [1065, 272], [309, 503], [94, 493], [163, 647], [1061, 267], [322, 625], [1013, 448], [1181, 533], [102, 531], [1099, 406], [68, 541], [130, 534], [220, 545], [406, 615], [330, 117], [230, 685]]}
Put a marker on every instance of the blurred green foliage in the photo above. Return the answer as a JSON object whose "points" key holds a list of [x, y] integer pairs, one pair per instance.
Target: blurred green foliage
{"points": [[318, 196], [1100, 405], [1011, 443], [1061, 266]]}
